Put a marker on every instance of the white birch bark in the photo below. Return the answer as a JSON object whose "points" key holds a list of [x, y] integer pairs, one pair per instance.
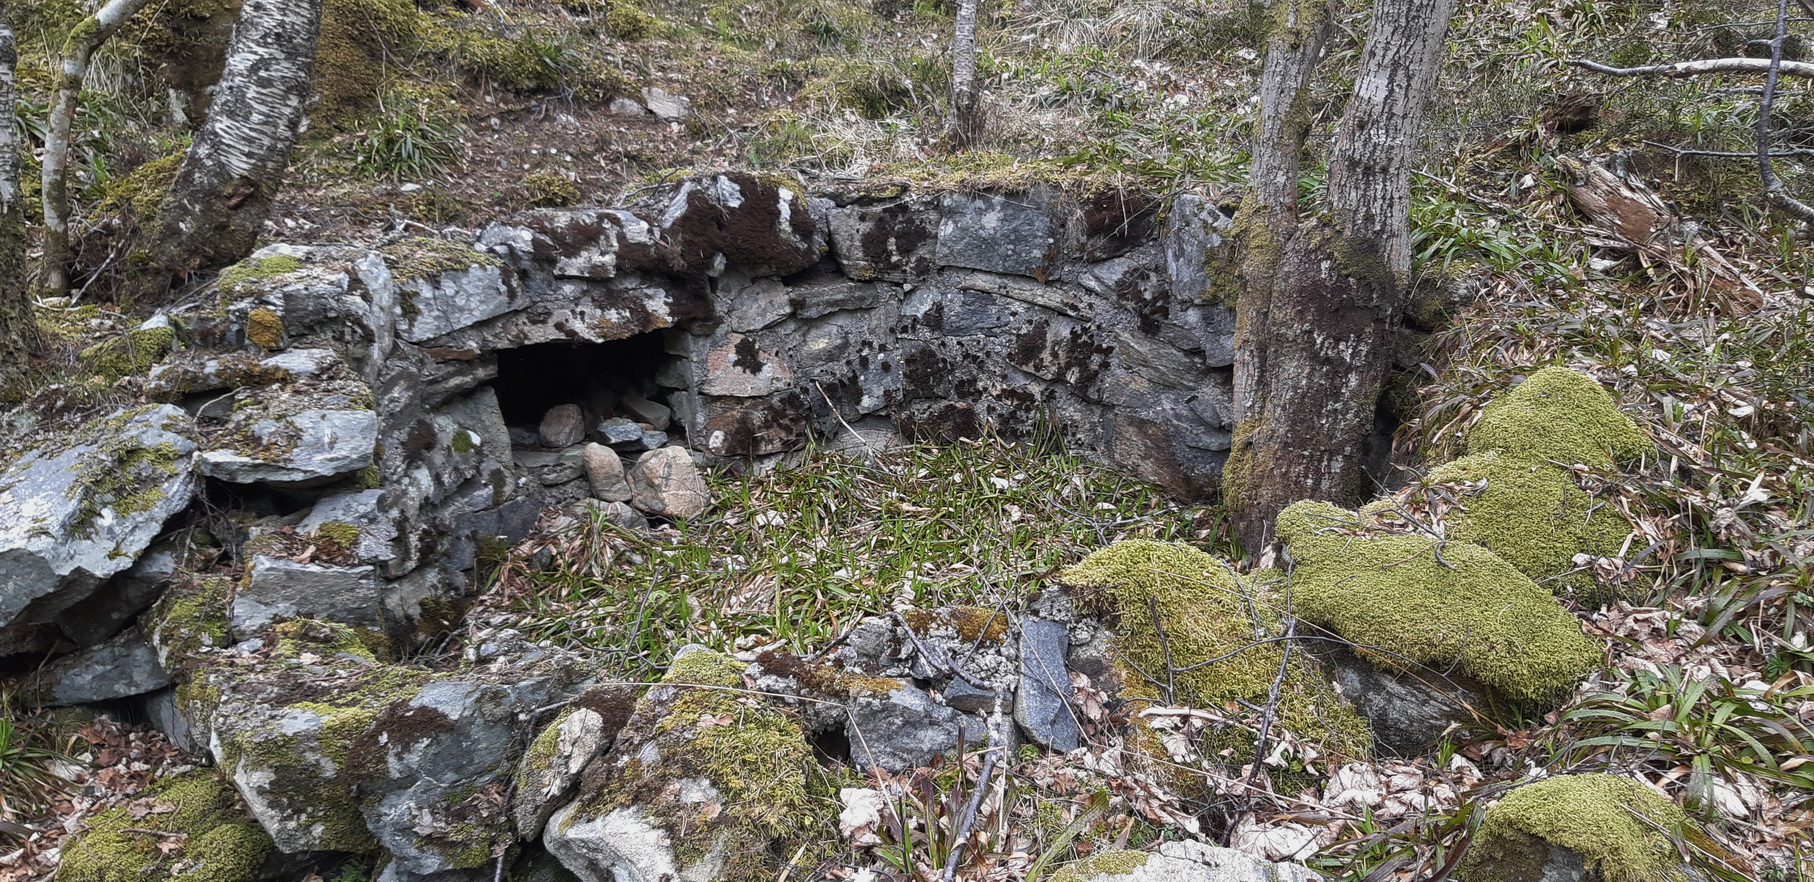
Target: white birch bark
{"points": [[237, 160], [965, 123], [78, 52]]}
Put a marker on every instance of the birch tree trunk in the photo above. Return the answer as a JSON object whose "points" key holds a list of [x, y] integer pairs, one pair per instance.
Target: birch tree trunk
{"points": [[18, 329], [966, 119], [78, 52], [223, 190], [1324, 293]]}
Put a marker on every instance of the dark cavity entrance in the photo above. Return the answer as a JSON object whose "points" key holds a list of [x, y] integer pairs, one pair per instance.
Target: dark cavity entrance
{"points": [[596, 376]]}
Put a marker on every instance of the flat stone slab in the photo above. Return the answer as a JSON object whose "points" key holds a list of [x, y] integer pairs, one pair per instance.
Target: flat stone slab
{"points": [[283, 589], [295, 450]]}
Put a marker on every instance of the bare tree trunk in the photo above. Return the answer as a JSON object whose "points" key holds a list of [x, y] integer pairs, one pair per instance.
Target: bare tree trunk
{"points": [[1324, 296], [966, 119], [223, 191], [78, 51], [18, 329]]}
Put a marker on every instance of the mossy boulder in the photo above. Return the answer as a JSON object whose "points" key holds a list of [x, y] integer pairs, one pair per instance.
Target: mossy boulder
{"points": [[1521, 499], [295, 435], [1535, 517], [1206, 612], [189, 827], [283, 732], [1558, 414], [706, 782], [1413, 602], [1580, 827]]}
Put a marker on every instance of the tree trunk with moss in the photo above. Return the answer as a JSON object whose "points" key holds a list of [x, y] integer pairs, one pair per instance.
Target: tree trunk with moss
{"points": [[18, 330], [78, 51], [235, 165], [1324, 286]]}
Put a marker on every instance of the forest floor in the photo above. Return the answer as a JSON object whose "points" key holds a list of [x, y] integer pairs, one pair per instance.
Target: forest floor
{"points": [[1707, 340]]}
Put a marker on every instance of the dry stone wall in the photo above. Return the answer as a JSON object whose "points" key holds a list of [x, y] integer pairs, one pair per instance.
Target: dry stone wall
{"points": [[407, 408]]}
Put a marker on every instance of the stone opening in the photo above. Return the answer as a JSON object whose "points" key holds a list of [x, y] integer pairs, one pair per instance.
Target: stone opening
{"points": [[610, 381]]}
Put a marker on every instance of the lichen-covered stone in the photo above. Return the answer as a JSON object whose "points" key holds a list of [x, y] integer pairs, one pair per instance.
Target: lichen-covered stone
{"points": [[1401, 606], [295, 436], [282, 733], [1181, 861], [1575, 827], [120, 668], [704, 783], [283, 589], [665, 482], [81, 506], [192, 828]]}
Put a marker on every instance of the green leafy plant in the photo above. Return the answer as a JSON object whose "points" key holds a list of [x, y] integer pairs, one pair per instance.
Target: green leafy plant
{"points": [[1702, 730], [408, 141], [28, 766]]}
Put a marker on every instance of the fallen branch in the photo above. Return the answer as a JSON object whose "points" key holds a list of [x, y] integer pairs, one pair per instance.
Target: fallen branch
{"points": [[1701, 67], [1773, 186]]}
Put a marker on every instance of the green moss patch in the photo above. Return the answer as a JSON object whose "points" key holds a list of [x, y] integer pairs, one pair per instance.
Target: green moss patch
{"points": [[1561, 415], [1206, 613], [1403, 606], [131, 353], [241, 278], [189, 827], [1621, 828], [421, 256], [1534, 516]]}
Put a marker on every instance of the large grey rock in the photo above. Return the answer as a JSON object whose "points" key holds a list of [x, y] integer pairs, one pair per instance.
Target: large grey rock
{"points": [[905, 729], [436, 801], [441, 302], [120, 668], [334, 751], [665, 482], [80, 507], [1042, 704], [605, 473], [894, 241], [752, 305], [263, 445], [278, 589], [1012, 233]]}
